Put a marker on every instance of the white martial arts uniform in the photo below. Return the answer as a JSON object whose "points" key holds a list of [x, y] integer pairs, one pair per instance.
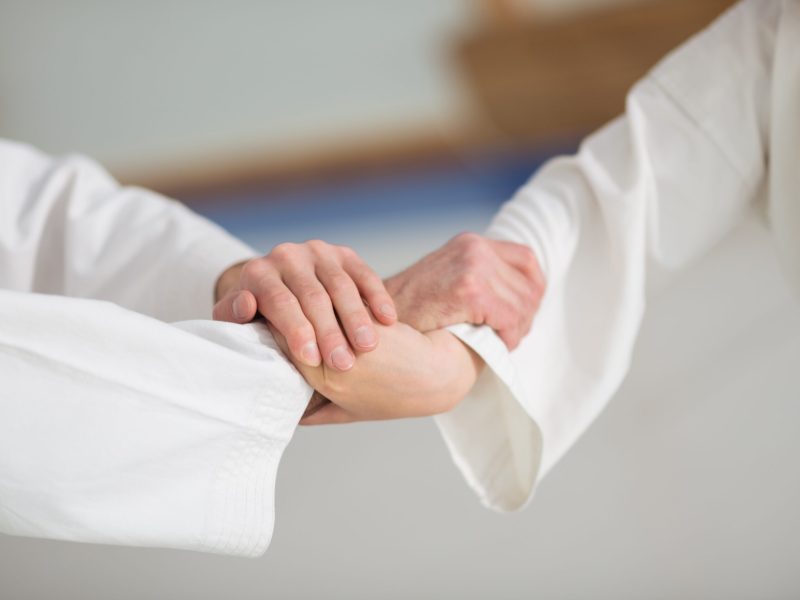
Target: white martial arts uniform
{"points": [[711, 130], [115, 426]]}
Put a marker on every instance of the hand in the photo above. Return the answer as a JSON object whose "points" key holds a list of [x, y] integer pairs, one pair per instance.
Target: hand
{"points": [[305, 291], [471, 279], [410, 375]]}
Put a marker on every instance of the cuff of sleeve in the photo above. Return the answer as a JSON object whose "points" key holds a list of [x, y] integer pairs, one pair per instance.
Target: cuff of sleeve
{"points": [[242, 515], [241, 510], [494, 442]]}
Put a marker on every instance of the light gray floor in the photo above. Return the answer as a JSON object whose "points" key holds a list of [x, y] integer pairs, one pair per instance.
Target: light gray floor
{"points": [[686, 487]]}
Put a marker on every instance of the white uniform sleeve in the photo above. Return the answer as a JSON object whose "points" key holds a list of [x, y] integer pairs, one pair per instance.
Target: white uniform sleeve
{"points": [[118, 428], [662, 183], [66, 227]]}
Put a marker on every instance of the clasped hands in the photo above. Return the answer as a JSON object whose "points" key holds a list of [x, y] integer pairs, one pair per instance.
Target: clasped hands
{"points": [[377, 350]]}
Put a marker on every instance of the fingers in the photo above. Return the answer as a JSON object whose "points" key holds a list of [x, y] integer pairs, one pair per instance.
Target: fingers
{"points": [[528, 297], [505, 317], [372, 290], [239, 306], [511, 336], [349, 306], [521, 257], [284, 312], [312, 294], [521, 273], [320, 410], [318, 308], [513, 304], [279, 339], [314, 376]]}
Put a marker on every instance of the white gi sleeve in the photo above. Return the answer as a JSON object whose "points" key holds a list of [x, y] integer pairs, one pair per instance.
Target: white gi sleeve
{"points": [[117, 428], [66, 227], [664, 183]]}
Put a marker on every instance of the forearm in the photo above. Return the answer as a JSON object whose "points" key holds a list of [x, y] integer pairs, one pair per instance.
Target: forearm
{"points": [[461, 366], [661, 185], [409, 374], [70, 229], [119, 428]]}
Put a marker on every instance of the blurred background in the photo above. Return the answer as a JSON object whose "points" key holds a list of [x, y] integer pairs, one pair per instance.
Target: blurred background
{"points": [[391, 125]]}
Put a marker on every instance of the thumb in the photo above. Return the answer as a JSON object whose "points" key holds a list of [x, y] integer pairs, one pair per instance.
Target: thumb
{"points": [[239, 306]]}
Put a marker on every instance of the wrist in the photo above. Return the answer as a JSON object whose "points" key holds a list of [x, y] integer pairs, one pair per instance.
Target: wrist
{"points": [[462, 367]]}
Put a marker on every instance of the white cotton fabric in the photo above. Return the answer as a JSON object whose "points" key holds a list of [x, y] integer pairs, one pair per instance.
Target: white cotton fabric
{"points": [[116, 426], [659, 185]]}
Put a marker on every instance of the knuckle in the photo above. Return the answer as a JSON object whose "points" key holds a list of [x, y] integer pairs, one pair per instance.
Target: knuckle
{"points": [[472, 242], [339, 283], [468, 287], [474, 253], [331, 338], [370, 281], [281, 300], [254, 270], [362, 270], [356, 318], [283, 250], [299, 335], [346, 252], [316, 298], [318, 247], [467, 239]]}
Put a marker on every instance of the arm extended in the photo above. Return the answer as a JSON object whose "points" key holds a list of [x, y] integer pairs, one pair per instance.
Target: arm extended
{"points": [[410, 374], [118, 428]]}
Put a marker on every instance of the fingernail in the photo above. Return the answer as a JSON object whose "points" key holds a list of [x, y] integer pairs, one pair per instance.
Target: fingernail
{"points": [[310, 354], [342, 359], [240, 308], [386, 309], [365, 337]]}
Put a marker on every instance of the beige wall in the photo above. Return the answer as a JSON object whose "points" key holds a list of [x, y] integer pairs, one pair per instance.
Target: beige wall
{"points": [[139, 83]]}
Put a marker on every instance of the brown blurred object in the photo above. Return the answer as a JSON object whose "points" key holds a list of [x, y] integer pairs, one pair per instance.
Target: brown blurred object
{"points": [[500, 12], [324, 162], [535, 79]]}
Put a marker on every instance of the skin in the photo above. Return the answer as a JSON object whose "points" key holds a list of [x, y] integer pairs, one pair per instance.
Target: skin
{"points": [[311, 295], [472, 279], [411, 374], [304, 290]]}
